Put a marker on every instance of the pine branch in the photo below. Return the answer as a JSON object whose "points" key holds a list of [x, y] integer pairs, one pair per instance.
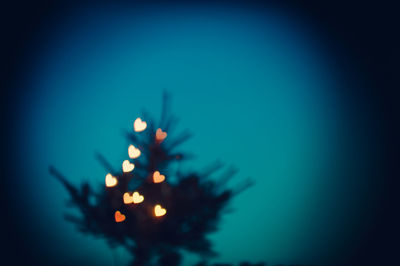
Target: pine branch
{"points": [[193, 204]]}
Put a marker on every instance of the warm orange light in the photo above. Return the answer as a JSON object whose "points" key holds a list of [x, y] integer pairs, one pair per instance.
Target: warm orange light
{"points": [[139, 125], [133, 152], [135, 198], [119, 217], [157, 177], [127, 166], [111, 181], [127, 198], [160, 135], [159, 211]]}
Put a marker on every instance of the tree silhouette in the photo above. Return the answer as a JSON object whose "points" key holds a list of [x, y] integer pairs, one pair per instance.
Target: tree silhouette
{"points": [[175, 214]]}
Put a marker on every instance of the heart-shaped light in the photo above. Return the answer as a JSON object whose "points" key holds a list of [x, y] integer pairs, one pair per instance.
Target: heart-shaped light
{"points": [[139, 125], [127, 198], [159, 211], [157, 177], [119, 217], [160, 135], [127, 166], [137, 198], [133, 152], [111, 181]]}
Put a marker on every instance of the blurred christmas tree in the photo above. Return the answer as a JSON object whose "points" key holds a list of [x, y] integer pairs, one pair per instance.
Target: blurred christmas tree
{"points": [[147, 208]]}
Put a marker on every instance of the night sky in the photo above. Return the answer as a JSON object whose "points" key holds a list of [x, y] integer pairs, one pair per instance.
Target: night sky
{"points": [[296, 97]]}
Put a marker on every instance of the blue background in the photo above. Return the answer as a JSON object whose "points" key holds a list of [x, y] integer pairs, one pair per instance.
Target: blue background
{"points": [[259, 90]]}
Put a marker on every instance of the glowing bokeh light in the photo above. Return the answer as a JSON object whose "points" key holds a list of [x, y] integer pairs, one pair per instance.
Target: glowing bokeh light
{"points": [[133, 152], [135, 198], [119, 217], [111, 181], [139, 125], [127, 166], [157, 177], [159, 211], [128, 199], [160, 135]]}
